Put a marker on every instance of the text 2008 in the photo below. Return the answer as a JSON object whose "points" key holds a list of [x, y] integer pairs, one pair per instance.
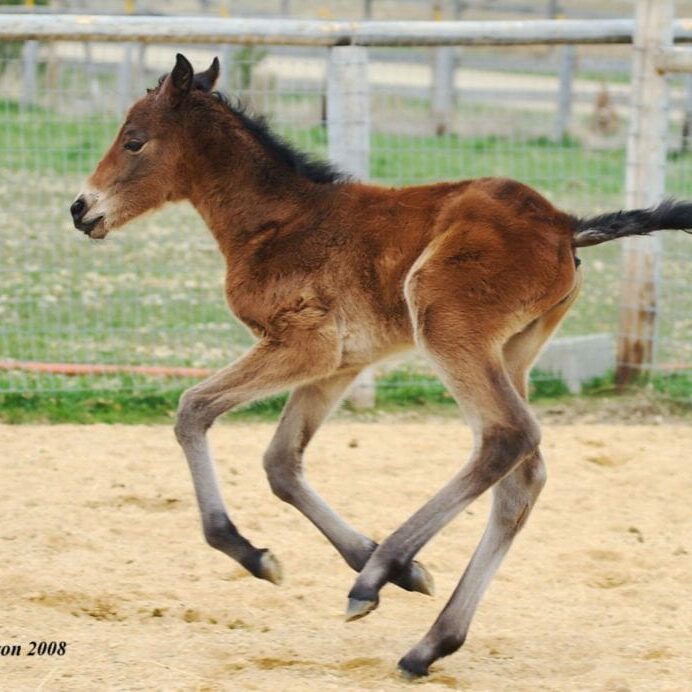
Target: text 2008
{"points": [[34, 648]]}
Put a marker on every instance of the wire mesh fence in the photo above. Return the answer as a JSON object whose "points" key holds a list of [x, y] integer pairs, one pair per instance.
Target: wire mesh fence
{"points": [[153, 293]]}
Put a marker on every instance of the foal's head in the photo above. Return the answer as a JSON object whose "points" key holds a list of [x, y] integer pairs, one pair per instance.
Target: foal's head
{"points": [[144, 166]]}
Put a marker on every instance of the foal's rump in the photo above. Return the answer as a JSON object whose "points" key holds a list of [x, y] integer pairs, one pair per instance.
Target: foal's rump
{"points": [[501, 256]]}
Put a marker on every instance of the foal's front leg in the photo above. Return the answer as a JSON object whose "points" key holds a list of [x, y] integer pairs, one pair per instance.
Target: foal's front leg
{"points": [[267, 369], [306, 409]]}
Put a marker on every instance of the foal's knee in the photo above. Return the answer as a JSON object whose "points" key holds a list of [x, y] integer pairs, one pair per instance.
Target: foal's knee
{"points": [[534, 475], [282, 473], [191, 418]]}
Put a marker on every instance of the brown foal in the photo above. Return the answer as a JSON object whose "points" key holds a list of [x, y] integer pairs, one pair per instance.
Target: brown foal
{"points": [[332, 275]]}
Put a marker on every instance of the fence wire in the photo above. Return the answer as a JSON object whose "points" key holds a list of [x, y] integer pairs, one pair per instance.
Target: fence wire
{"points": [[153, 293]]}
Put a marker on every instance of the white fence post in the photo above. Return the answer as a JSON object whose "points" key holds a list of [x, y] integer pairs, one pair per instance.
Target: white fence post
{"points": [[348, 110], [444, 61], [29, 73], [645, 180], [124, 85], [348, 134], [568, 63], [687, 115], [443, 94]]}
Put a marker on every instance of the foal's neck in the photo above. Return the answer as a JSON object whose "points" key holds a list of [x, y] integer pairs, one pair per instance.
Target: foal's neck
{"points": [[240, 189]]}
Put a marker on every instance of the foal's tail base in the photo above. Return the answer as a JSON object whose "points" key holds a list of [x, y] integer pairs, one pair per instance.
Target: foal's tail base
{"points": [[669, 214]]}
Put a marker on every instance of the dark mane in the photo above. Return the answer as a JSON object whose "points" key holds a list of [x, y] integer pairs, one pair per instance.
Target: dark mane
{"points": [[302, 163]]}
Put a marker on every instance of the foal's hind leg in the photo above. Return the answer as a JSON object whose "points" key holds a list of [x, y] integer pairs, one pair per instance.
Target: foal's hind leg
{"points": [[513, 498], [473, 287], [505, 435], [306, 409]]}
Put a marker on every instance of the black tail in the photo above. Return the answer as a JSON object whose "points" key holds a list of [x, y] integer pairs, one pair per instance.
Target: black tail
{"points": [[669, 214]]}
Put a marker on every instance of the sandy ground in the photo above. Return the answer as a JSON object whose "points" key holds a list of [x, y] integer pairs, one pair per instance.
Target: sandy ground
{"points": [[100, 548]]}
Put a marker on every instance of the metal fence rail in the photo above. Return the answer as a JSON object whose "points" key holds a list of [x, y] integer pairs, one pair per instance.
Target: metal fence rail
{"points": [[152, 296], [305, 32]]}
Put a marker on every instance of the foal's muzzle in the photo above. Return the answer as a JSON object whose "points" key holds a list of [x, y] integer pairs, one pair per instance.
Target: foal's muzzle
{"points": [[78, 209]]}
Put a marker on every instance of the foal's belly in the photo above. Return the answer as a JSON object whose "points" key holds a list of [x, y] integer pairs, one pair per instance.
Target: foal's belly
{"points": [[368, 340]]}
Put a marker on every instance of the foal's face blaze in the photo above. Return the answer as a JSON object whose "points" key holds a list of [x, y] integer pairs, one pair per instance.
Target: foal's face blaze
{"points": [[143, 167]]}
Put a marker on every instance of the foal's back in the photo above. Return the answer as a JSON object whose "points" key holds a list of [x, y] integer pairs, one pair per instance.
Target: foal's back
{"points": [[495, 239]]}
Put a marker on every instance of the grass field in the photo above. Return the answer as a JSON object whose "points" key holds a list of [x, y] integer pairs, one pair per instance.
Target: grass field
{"points": [[153, 292]]}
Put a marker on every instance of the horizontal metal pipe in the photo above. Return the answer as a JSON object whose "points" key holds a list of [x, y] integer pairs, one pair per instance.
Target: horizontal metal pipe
{"points": [[216, 30]]}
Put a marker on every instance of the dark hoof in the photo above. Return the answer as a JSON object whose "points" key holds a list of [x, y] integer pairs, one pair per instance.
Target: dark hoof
{"points": [[264, 565], [358, 608], [412, 669], [414, 577], [420, 580]]}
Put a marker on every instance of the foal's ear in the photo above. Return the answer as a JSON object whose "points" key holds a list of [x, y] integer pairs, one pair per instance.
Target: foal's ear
{"points": [[205, 80], [179, 82]]}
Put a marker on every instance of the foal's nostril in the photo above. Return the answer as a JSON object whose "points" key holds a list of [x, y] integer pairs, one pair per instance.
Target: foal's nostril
{"points": [[78, 208]]}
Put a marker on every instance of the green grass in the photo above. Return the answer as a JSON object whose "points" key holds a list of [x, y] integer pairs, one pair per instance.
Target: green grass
{"points": [[676, 387], [150, 401], [110, 406], [409, 389], [41, 140]]}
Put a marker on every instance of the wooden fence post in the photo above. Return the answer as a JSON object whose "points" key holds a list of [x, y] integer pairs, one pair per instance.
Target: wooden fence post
{"points": [[348, 135], [645, 180]]}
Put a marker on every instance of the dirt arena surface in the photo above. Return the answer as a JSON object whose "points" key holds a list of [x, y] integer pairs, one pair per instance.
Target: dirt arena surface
{"points": [[100, 548]]}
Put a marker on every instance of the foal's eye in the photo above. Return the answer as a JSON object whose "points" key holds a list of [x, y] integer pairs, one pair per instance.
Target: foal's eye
{"points": [[134, 145]]}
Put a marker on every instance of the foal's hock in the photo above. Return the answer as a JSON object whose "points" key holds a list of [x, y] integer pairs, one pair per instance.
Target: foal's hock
{"points": [[332, 275]]}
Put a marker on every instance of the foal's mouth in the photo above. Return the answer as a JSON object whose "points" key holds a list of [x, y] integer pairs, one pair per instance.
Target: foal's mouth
{"points": [[89, 227]]}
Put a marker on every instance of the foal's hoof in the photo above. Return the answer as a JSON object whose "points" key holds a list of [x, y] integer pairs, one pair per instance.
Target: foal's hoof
{"points": [[358, 608], [412, 669], [414, 577], [268, 567], [419, 579]]}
